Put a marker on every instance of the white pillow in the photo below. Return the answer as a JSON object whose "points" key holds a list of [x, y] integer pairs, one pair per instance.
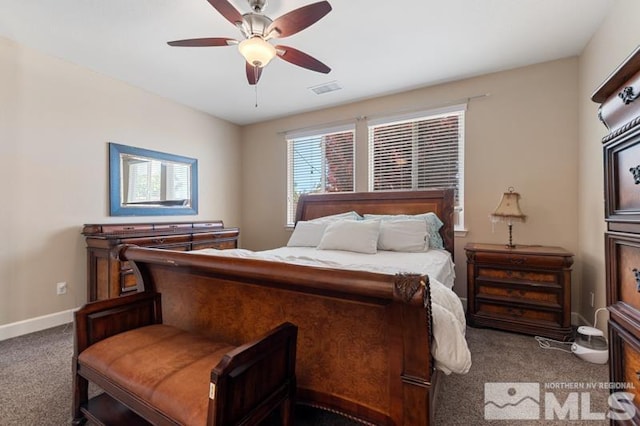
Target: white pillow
{"points": [[360, 236], [340, 216], [307, 234], [404, 235], [433, 225]]}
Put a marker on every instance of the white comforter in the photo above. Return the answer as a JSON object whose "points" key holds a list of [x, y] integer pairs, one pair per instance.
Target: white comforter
{"points": [[449, 347]]}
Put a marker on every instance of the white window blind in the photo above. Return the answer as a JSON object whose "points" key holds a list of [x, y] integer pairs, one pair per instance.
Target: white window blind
{"points": [[144, 181], [421, 151], [318, 163], [178, 181]]}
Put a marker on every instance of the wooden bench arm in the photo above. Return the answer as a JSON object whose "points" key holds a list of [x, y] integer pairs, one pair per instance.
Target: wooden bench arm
{"points": [[98, 320], [253, 378]]}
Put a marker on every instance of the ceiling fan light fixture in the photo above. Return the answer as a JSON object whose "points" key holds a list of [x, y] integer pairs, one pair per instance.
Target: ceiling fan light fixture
{"points": [[258, 29], [256, 51]]}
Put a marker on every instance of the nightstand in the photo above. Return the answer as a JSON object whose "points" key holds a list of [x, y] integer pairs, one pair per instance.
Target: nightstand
{"points": [[526, 289]]}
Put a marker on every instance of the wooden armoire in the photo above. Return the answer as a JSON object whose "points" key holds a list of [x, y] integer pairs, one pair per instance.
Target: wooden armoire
{"points": [[620, 112]]}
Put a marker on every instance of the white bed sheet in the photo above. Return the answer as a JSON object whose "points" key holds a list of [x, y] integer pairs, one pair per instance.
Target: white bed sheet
{"points": [[437, 264], [449, 347]]}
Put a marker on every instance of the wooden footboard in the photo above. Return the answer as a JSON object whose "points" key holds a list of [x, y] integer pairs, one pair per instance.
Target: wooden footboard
{"points": [[363, 338]]}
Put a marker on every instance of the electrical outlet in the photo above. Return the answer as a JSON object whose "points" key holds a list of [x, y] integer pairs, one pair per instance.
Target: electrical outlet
{"points": [[61, 288], [593, 299]]}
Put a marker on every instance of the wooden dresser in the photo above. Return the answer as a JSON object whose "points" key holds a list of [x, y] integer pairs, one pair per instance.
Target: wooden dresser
{"points": [[107, 277], [620, 113], [525, 289]]}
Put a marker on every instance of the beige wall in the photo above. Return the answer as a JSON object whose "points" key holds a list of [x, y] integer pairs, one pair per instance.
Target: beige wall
{"points": [[616, 38], [55, 121], [524, 134], [537, 131]]}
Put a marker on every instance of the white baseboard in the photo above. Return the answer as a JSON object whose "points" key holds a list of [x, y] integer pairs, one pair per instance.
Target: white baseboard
{"points": [[31, 325]]}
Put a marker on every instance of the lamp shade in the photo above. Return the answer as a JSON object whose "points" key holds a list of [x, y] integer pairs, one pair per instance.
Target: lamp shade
{"points": [[508, 210], [256, 51]]}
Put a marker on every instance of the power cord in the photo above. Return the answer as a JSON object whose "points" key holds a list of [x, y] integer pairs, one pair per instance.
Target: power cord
{"points": [[595, 316], [546, 343]]}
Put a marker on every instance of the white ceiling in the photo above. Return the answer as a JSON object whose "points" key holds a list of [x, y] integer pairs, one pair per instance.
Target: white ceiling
{"points": [[374, 47]]}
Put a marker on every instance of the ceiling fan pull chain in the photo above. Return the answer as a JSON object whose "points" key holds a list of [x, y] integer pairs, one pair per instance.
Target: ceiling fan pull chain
{"points": [[255, 71], [256, 86]]}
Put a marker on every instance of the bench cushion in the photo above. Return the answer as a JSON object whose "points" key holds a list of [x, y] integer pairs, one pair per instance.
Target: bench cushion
{"points": [[162, 365]]}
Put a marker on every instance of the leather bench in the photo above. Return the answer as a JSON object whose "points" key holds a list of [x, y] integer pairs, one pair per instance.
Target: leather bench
{"points": [[156, 373]]}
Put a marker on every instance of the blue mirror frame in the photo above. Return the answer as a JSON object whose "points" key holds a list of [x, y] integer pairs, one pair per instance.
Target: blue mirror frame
{"points": [[116, 205]]}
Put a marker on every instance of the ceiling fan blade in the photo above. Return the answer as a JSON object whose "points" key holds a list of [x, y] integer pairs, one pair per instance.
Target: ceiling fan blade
{"points": [[301, 59], [225, 9], [204, 42], [299, 19], [253, 73]]}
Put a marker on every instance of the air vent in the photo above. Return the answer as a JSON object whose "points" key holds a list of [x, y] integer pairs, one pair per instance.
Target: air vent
{"points": [[332, 86]]}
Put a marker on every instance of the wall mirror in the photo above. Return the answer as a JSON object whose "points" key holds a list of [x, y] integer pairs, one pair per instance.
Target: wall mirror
{"points": [[151, 183]]}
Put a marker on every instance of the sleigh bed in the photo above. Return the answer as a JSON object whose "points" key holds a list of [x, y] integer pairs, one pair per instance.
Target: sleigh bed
{"points": [[364, 338]]}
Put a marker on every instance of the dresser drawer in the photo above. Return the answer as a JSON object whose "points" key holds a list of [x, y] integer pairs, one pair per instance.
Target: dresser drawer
{"points": [[120, 228], [623, 270], [622, 176], [128, 282], [218, 245], [624, 351], [488, 289], [221, 240], [159, 241], [219, 235], [173, 227]]}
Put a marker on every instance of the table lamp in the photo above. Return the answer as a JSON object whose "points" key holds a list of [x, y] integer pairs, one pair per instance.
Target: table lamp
{"points": [[508, 211]]}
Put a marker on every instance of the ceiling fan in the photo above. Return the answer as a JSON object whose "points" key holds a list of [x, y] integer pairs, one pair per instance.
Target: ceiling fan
{"points": [[258, 29]]}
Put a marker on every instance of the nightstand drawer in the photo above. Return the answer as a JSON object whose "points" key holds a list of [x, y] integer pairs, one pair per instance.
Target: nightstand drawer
{"points": [[517, 275], [489, 289], [519, 260], [517, 313]]}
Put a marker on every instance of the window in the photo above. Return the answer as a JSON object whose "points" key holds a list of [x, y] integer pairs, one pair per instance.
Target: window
{"points": [[419, 151], [320, 161]]}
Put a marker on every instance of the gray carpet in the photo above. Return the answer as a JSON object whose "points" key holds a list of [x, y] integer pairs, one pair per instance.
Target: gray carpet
{"points": [[35, 380]]}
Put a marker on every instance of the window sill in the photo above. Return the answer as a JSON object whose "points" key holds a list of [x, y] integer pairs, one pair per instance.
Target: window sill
{"points": [[460, 233]]}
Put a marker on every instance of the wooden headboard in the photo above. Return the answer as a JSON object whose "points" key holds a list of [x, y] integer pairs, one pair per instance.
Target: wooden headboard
{"points": [[440, 202]]}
